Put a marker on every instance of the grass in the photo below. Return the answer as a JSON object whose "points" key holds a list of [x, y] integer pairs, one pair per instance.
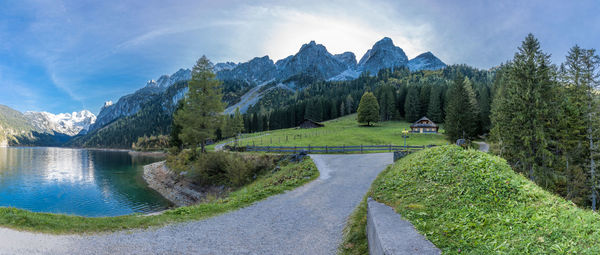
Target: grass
{"points": [[355, 235], [470, 202], [288, 177], [344, 131]]}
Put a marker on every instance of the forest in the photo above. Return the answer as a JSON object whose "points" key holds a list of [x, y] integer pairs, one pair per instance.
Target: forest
{"points": [[539, 116]]}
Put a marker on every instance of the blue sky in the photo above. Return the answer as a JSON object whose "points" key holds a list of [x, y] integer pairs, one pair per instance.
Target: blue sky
{"points": [[64, 56]]}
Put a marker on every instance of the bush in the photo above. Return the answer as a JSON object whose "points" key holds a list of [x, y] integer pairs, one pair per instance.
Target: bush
{"points": [[221, 168]]}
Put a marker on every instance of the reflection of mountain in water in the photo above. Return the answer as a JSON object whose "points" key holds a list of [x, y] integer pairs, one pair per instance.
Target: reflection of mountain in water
{"points": [[73, 181]]}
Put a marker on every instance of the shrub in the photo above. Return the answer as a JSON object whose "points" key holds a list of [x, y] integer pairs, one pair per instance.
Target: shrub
{"points": [[221, 168]]}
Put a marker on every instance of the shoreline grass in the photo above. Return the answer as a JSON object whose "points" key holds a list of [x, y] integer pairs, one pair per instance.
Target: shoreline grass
{"points": [[290, 176]]}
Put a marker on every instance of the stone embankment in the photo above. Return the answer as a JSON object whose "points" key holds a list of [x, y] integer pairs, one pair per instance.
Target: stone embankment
{"points": [[174, 187]]}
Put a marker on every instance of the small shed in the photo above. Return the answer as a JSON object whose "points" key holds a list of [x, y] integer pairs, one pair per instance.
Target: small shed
{"points": [[424, 125], [307, 123]]}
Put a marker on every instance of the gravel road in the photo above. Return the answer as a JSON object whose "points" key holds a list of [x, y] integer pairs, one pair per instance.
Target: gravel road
{"points": [[307, 220]]}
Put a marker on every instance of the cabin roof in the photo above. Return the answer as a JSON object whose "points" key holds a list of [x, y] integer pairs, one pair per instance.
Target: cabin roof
{"points": [[418, 125]]}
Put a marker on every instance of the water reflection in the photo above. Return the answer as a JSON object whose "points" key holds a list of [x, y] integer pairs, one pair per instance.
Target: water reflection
{"points": [[76, 181]]}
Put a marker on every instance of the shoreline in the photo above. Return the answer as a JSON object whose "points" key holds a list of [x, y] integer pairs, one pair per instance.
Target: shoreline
{"points": [[130, 151]]}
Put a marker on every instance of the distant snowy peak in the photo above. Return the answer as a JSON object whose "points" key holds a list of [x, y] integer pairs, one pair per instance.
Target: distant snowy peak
{"points": [[384, 54], [65, 123], [425, 61]]}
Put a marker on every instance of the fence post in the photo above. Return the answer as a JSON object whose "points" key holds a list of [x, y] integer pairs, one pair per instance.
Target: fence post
{"points": [[295, 149], [361, 149], [326, 151], [390, 147], [309, 148]]}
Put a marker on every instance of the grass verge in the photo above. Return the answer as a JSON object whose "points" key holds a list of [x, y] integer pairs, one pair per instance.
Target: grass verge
{"points": [[466, 201], [288, 177], [355, 235]]}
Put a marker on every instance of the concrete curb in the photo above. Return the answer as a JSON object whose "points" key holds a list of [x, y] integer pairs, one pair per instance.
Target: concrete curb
{"points": [[388, 233]]}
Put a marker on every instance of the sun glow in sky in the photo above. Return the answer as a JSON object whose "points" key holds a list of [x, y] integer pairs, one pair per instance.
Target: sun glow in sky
{"points": [[64, 56]]}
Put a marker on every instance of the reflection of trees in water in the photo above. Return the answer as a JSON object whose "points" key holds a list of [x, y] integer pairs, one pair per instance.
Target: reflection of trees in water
{"points": [[116, 174], [120, 174]]}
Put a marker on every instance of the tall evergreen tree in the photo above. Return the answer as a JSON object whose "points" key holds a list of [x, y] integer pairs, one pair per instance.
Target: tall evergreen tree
{"points": [[523, 112], [201, 113], [387, 102], [412, 105], [460, 115], [434, 111], [368, 109]]}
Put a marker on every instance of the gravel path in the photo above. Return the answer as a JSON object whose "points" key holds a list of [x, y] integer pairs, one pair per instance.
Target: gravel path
{"points": [[307, 220]]}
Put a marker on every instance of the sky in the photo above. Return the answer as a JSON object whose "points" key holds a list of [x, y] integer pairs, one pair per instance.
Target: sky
{"points": [[64, 56]]}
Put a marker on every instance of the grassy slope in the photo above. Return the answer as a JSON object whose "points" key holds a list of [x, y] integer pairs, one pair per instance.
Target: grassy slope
{"points": [[472, 202], [289, 177], [345, 131]]}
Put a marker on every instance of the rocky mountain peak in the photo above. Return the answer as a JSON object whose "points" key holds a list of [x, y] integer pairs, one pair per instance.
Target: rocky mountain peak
{"points": [[425, 61], [313, 59], [384, 54], [347, 58]]}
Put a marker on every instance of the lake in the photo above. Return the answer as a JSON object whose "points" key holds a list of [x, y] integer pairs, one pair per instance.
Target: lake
{"points": [[77, 181]]}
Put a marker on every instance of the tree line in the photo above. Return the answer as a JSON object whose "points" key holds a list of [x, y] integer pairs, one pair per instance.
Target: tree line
{"points": [[545, 119]]}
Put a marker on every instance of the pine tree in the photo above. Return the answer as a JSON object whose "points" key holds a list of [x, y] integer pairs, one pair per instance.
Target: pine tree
{"points": [[424, 96], [238, 122], [368, 109], [460, 115], [434, 111], [412, 105], [201, 113], [473, 107], [349, 104], [387, 102], [342, 109], [522, 113]]}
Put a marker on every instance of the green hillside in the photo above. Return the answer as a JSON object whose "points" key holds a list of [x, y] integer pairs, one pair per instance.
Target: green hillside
{"points": [[466, 201], [344, 131]]}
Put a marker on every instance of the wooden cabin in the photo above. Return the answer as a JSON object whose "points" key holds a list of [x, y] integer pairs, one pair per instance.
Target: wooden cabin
{"points": [[424, 125], [306, 123]]}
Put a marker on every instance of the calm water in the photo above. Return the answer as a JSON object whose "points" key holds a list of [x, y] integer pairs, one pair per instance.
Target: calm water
{"points": [[76, 181]]}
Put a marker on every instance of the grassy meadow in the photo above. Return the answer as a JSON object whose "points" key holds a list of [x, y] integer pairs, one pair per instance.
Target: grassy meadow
{"points": [[343, 131]]}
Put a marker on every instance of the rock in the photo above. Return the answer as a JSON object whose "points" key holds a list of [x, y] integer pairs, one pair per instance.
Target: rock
{"points": [[425, 61], [384, 54], [174, 187]]}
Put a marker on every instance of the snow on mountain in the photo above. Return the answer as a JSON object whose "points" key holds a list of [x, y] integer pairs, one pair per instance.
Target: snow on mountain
{"points": [[425, 61], [165, 81], [132, 103], [224, 66], [65, 123]]}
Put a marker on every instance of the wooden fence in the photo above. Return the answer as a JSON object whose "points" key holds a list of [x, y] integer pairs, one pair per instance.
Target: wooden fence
{"points": [[334, 149]]}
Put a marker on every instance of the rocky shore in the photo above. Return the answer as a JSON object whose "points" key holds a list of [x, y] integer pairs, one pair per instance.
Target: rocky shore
{"points": [[174, 187]]}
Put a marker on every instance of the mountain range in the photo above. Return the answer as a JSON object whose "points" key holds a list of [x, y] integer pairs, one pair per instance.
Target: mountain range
{"points": [[244, 84], [41, 128]]}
